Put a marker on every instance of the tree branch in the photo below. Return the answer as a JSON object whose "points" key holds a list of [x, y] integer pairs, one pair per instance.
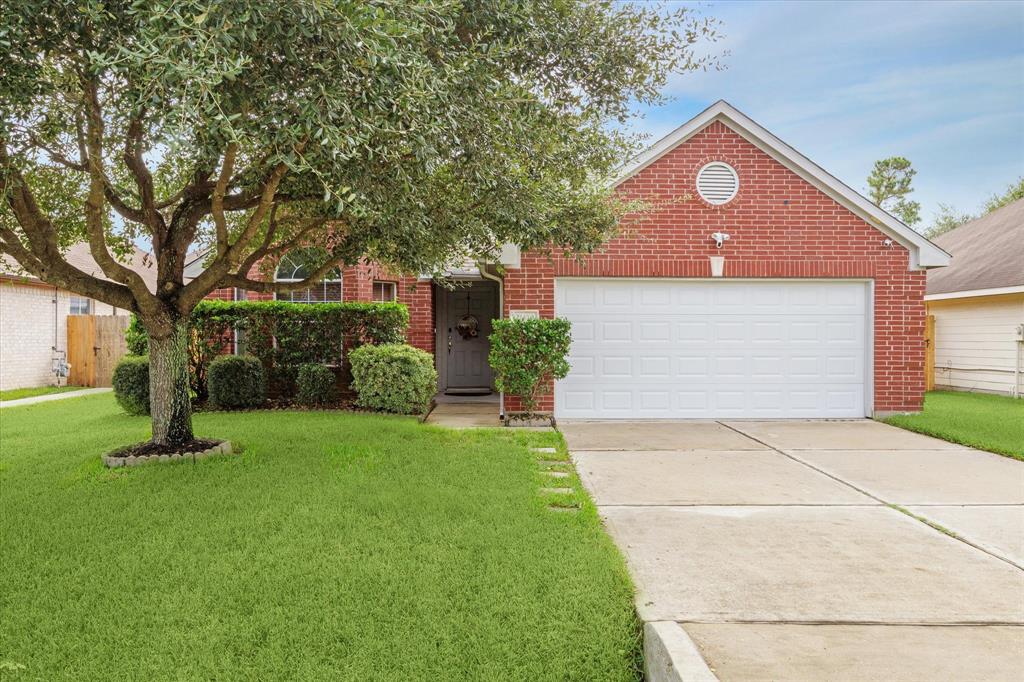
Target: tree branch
{"points": [[94, 208], [217, 206], [269, 286], [227, 260]]}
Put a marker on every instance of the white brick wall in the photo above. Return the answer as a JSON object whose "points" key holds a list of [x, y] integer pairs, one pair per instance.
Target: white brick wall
{"points": [[27, 332]]}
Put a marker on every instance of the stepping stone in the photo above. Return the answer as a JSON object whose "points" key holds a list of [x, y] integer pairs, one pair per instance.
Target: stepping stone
{"points": [[557, 491], [554, 463], [560, 508], [549, 450], [558, 474]]}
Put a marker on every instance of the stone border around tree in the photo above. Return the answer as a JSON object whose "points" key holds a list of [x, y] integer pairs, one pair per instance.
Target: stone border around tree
{"points": [[222, 448]]}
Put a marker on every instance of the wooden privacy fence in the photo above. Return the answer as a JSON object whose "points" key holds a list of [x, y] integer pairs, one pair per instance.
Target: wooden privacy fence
{"points": [[95, 344], [929, 352]]}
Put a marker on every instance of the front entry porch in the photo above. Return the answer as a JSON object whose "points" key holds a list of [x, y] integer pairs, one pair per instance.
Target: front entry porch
{"points": [[462, 324], [465, 411]]}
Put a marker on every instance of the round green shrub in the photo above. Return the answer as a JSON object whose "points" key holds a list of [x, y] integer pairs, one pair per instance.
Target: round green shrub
{"points": [[131, 384], [393, 377], [316, 385], [236, 381], [528, 355]]}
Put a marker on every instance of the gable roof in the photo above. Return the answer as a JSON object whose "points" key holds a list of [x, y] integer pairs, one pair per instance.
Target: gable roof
{"points": [[988, 253], [923, 253], [78, 256]]}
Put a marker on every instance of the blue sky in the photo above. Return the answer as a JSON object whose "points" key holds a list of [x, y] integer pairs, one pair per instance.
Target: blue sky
{"points": [[941, 83]]}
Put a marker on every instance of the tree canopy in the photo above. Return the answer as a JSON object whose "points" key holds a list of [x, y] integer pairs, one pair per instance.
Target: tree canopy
{"points": [[949, 217], [407, 132], [890, 185]]}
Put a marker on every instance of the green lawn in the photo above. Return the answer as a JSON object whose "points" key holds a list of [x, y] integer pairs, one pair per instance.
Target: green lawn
{"points": [[337, 546], [19, 393], [989, 422]]}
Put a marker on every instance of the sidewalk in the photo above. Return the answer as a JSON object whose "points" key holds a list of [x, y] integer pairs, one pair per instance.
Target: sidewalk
{"points": [[53, 396]]}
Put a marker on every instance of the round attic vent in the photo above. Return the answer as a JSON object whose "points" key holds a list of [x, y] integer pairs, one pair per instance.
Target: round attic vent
{"points": [[717, 183]]}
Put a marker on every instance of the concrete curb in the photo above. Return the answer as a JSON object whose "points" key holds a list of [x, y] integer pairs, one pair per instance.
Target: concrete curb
{"points": [[671, 656]]}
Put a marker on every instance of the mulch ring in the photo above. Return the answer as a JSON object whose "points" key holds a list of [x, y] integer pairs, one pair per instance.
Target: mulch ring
{"points": [[141, 453], [150, 448]]}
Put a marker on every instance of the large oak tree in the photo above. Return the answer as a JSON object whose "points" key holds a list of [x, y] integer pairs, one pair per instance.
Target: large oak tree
{"points": [[409, 132]]}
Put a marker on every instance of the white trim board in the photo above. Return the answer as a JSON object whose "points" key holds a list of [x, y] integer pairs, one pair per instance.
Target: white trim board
{"points": [[971, 293], [923, 253]]}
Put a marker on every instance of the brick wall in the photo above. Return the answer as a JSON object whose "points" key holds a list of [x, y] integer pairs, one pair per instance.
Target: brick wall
{"points": [[780, 226]]}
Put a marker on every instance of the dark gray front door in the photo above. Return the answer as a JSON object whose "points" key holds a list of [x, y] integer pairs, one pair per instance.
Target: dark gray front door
{"points": [[465, 318]]}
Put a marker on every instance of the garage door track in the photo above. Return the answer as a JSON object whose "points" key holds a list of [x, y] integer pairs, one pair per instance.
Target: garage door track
{"points": [[812, 550]]}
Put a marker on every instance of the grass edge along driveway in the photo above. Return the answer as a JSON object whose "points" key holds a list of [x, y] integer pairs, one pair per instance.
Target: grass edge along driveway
{"points": [[978, 420], [337, 546]]}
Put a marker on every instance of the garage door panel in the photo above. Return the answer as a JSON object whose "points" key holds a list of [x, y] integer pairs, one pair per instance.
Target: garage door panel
{"points": [[702, 349]]}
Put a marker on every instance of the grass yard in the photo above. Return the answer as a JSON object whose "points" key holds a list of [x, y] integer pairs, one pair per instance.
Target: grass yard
{"points": [[19, 393], [989, 422], [337, 546]]}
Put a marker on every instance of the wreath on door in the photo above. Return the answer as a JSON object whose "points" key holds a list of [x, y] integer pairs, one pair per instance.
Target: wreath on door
{"points": [[468, 327]]}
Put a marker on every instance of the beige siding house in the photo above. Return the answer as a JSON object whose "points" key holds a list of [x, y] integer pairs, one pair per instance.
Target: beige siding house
{"points": [[978, 304], [33, 318]]}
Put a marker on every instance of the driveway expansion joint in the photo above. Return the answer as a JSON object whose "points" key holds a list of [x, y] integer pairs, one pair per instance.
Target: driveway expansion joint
{"points": [[892, 505]]}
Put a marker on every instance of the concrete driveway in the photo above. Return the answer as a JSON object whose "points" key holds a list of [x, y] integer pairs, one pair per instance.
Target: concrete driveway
{"points": [[813, 550]]}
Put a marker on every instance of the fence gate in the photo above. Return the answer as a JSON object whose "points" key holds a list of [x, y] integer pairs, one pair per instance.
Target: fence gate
{"points": [[929, 352], [95, 344]]}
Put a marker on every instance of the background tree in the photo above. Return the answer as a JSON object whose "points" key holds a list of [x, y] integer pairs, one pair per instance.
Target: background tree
{"points": [[1013, 192], [949, 218], [404, 132], [889, 186]]}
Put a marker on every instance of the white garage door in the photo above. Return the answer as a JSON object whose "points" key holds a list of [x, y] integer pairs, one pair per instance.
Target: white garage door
{"points": [[674, 349]]}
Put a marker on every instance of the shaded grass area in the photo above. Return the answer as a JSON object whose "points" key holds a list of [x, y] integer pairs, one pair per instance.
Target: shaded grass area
{"points": [[337, 546], [19, 393], [989, 422]]}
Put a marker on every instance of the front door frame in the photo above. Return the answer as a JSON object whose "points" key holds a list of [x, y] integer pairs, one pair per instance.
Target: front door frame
{"points": [[442, 298]]}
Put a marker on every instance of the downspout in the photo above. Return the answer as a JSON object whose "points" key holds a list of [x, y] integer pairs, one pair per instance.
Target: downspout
{"points": [[501, 315]]}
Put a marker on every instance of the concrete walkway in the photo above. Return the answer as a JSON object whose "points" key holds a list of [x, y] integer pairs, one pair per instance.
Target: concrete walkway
{"points": [[806, 550], [53, 396], [465, 415]]}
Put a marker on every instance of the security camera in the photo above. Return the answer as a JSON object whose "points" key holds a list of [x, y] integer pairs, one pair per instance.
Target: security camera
{"points": [[720, 238]]}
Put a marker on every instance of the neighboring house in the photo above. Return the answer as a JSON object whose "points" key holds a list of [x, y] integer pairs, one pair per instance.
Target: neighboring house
{"points": [[811, 307], [33, 317], [978, 304]]}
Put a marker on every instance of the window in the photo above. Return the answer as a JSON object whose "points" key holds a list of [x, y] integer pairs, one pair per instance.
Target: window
{"points": [[297, 266], [80, 305], [385, 292]]}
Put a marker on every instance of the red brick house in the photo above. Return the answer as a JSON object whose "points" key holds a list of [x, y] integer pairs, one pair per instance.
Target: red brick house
{"points": [[759, 286]]}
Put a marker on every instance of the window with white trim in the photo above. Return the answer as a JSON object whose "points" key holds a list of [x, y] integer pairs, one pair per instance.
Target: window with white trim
{"points": [[385, 292], [80, 305], [297, 266]]}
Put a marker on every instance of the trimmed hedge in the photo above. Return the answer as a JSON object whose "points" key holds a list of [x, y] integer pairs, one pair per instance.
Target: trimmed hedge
{"points": [[393, 378], [316, 385], [237, 381], [527, 355], [283, 335], [131, 384]]}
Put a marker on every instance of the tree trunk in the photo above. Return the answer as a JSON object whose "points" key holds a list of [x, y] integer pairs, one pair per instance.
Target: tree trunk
{"points": [[169, 402]]}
